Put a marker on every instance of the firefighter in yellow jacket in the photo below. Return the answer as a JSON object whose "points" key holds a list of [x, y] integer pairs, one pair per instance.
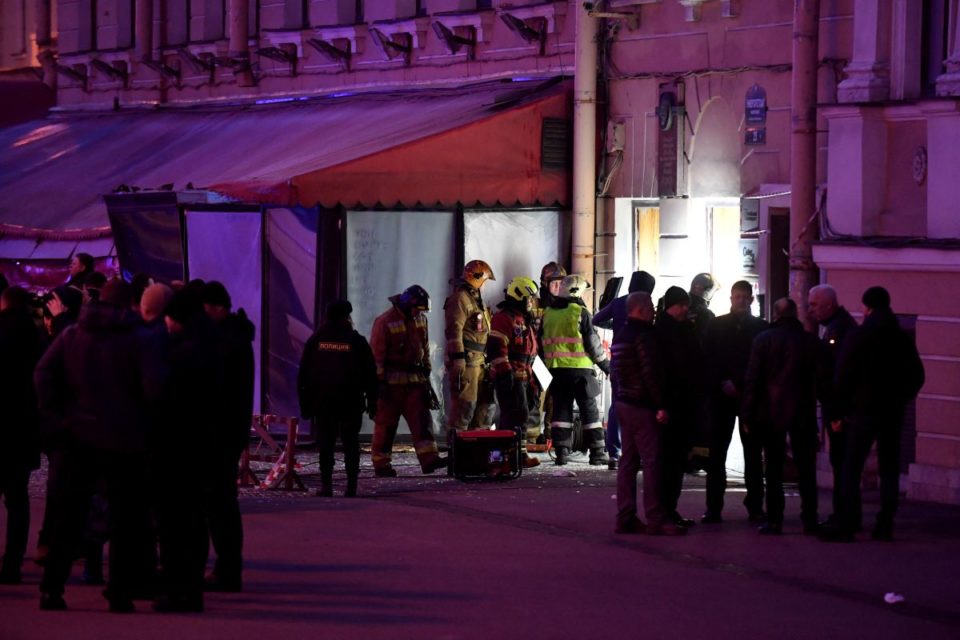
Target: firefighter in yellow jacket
{"points": [[468, 325], [401, 350], [571, 347]]}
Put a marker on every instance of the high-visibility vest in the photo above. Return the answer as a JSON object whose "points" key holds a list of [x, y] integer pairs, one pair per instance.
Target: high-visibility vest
{"points": [[562, 342]]}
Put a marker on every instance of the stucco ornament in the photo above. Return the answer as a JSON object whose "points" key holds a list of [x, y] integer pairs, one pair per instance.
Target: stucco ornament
{"points": [[920, 165]]}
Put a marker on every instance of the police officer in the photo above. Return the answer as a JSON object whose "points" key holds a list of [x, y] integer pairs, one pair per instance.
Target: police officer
{"points": [[571, 348], [511, 349], [337, 382], [468, 324], [401, 350]]}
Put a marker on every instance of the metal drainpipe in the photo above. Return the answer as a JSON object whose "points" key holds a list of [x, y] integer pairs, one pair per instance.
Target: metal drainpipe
{"points": [[144, 9], [584, 145], [240, 40], [803, 150]]}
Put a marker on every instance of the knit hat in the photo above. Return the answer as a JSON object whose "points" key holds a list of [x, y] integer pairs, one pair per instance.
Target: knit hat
{"points": [[184, 306], [642, 281], [675, 295], [214, 293], [154, 301], [876, 298], [70, 297], [339, 310]]}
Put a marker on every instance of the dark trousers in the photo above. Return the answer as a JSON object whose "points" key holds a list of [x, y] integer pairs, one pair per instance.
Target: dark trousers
{"points": [[803, 444], [223, 515], [676, 449], [862, 432], [182, 534], [74, 473], [838, 451], [14, 480], [580, 386], [345, 425], [721, 431], [641, 439]]}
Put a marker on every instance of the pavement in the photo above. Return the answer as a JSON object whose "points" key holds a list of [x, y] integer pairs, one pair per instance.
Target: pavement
{"points": [[431, 557]]}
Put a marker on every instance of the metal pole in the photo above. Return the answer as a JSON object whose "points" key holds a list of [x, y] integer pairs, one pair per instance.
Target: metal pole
{"points": [[803, 150], [584, 145]]}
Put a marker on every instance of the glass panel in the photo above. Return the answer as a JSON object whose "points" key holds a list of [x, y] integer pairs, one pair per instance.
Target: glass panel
{"points": [[387, 251], [226, 246]]}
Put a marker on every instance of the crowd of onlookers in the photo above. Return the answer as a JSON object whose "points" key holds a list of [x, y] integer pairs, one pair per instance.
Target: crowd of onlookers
{"points": [[688, 378], [110, 386], [118, 376]]}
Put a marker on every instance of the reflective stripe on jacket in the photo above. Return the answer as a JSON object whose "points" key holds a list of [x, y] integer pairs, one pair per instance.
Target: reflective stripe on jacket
{"points": [[562, 341]]}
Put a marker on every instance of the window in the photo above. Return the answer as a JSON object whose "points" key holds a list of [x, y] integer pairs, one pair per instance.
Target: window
{"points": [[934, 44]]}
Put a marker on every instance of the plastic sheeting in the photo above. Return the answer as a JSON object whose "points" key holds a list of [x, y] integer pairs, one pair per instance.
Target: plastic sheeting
{"points": [[290, 301], [387, 251], [146, 228], [513, 243], [227, 246]]}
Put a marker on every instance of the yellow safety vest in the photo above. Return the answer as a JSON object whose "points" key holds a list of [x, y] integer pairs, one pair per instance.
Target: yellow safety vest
{"points": [[562, 342]]}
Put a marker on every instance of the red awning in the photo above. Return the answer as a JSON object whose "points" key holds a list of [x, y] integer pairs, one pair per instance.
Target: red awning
{"points": [[494, 159], [471, 144]]}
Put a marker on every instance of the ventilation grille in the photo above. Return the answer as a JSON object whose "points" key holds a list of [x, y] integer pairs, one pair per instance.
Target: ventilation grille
{"points": [[555, 143]]}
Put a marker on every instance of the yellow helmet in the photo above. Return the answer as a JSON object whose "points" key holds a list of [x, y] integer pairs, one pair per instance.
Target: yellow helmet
{"points": [[521, 287], [476, 272], [574, 286]]}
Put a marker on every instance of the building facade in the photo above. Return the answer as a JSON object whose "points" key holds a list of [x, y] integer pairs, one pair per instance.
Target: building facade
{"points": [[693, 127]]}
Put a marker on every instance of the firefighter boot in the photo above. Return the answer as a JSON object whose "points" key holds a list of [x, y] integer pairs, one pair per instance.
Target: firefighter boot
{"points": [[560, 456], [598, 457]]}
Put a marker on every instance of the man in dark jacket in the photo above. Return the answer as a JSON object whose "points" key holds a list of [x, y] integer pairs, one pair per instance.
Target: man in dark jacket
{"points": [[20, 349], [836, 325], [96, 385], [233, 334], [337, 382], [640, 403], [783, 381], [614, 316], [682, 357], [702, 288], [727, 349], [879, 372], [192, 402]]}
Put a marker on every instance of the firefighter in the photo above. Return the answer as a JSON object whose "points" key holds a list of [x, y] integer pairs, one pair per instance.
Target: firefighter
{"points": [[337, 382], [401, 349], [511, 349], [551, 276], [571, 347], [467, 328]]}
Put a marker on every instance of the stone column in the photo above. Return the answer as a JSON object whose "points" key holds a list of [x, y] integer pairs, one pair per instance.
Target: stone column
{"points": [[868, 74], [948, 84], [144, 29]]}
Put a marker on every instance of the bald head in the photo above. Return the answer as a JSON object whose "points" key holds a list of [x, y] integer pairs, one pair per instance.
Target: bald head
{"points": [[640, 306], [784, 308]]}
